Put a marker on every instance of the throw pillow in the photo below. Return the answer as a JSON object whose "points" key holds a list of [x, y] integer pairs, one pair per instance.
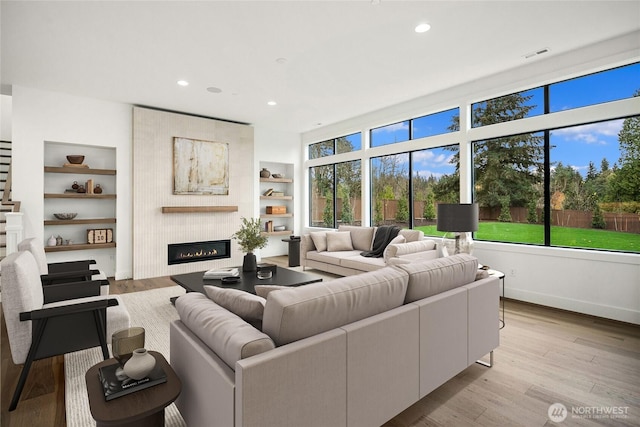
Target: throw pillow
{"points": [[339, 241], [398, 239], [264, 290], [319, 240], [243, 304], [482, 274]]}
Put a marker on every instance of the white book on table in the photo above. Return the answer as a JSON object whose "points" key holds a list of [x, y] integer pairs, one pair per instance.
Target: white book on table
{"points": [[217, 273]]}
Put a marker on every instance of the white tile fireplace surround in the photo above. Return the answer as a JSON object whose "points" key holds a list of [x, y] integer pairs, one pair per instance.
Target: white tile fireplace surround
{"points": [[153, 230]]}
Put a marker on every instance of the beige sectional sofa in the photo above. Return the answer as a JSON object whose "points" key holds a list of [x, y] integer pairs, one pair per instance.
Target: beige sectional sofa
{"points": [[338, 251], [353, 351]]}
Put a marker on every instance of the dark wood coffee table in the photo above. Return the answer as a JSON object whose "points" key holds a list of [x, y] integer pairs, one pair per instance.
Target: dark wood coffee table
{"points": [[141, 408], [194, 282]]}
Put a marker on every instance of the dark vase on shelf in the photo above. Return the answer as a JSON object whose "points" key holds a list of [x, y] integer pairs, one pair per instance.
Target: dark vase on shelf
{"points": [[249, 263], [264, 173]]}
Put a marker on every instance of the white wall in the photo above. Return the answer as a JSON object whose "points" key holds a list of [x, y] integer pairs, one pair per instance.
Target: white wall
{"points": [[5, 117], [41, 115], [599, 283]]}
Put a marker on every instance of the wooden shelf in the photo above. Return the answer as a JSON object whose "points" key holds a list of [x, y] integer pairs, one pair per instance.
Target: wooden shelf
{"points": [[85, 171], [78, 196], [276, 197], [198, 209], [287, 180], [79, 247], [276, 233], [79, 221], [286, 215]]}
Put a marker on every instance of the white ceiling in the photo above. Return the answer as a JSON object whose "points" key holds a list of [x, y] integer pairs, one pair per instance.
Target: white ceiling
{"points": [[341, 58]]}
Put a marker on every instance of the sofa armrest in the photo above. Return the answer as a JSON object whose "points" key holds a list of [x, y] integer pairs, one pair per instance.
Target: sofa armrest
{"points": [[306, 245]]}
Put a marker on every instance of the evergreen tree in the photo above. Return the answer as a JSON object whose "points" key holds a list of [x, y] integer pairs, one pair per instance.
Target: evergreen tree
{"points": [[429, 207], [505, 211], [509, 166], [597, 220], [532, 212], [402, 214], [626, 183]]}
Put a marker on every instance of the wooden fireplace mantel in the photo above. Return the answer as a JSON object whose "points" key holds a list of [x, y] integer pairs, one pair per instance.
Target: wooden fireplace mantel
{"points": [[198, 209]]}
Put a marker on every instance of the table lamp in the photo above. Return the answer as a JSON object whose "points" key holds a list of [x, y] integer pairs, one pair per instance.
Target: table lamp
{"points": [[458, 221]]}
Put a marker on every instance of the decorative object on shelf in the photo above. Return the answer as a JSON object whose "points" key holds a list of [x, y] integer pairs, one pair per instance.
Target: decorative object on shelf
{"points": [[75, 159], [140, 364], [65, 216], [51, 241], [264, 173], [249, 238], [277, 175], [200, 167], [99, 235], [279, 228], [98, 189], [75, 185], [124, 342], [458, 221], [269, 192], [276, 210], [81, 189], [59, 240], [89, 186]]}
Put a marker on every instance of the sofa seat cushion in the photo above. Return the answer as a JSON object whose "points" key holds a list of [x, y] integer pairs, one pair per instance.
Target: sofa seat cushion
{"points": [[361, 237], [304, 311], [331, 257], [359, 262], [230, 337], [439, 275]]}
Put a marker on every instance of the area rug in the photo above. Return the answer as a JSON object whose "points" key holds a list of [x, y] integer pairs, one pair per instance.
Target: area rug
{"points": [[150, 309]]}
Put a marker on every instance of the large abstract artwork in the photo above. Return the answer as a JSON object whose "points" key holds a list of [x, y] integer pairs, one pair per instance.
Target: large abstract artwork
{"points": [[200, 167]]}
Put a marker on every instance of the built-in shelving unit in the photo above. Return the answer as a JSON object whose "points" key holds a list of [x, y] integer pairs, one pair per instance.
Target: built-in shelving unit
{"points": [[282, 185], [94, 210]]}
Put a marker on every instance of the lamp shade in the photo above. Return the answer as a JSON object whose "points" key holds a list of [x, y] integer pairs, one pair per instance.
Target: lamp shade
{"points": [[456, 217]]}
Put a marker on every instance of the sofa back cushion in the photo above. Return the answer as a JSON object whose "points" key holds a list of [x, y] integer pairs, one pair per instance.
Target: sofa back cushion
{"points": [[339, 241], [399, 249], [297, 313], [412, 235], [361, 237], [230, 337], [439, 275]]}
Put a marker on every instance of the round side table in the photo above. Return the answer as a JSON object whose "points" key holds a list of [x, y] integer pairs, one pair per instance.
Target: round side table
{"points": [[143, 408]]}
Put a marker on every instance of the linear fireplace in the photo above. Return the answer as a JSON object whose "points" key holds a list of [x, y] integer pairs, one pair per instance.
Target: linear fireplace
{"points": [[180, 253]]}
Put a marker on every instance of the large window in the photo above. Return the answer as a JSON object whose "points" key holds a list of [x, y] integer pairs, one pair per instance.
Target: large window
{"points": [[595, 185], [335, 194], [343, 144], [576, 187], [406, 188]]}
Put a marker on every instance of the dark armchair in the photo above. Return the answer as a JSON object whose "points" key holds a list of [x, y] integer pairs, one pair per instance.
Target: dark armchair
{"points": [[42, 322]]}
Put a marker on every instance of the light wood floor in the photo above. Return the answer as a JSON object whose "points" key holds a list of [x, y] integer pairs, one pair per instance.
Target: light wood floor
{"points": [[545, 356]]}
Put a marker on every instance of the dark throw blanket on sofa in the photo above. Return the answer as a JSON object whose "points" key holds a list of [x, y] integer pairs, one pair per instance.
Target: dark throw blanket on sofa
{"points": [[384, 235]]}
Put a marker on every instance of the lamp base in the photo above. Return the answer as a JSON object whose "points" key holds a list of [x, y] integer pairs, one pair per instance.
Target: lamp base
{"points": [[457, 243]]}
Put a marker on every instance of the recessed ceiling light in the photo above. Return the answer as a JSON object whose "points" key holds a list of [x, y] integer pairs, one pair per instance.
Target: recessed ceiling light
{"points": [[214, 89], [422, 28], [272, 103], [183, 83]]}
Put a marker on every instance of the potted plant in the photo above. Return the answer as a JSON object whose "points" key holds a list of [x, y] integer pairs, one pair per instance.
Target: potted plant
{"points": [[249, 238]]}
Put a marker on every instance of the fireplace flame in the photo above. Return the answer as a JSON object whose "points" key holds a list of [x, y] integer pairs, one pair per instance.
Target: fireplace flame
{"points": [[198, 254]]}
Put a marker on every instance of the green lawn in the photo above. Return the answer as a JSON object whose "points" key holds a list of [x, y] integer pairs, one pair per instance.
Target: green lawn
{"points": [[560, 236]]}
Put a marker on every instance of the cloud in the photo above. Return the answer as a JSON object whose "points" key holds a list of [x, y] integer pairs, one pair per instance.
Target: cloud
{"points": [[393, 128], [594, 133], [432, 159]]}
